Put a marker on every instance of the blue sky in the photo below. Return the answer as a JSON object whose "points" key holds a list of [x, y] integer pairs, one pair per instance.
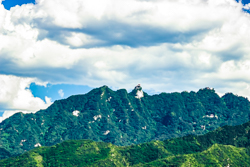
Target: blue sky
{"points": [[244, 1], [58, 91], [52, 49], [11, 3]]}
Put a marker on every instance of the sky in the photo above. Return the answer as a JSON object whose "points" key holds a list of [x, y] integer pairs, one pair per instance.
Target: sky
{"points": [[51, 49]]}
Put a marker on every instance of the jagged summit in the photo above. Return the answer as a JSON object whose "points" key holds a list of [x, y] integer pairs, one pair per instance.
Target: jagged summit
{"points": [[137, 92], [138, 87], [122, 118]]}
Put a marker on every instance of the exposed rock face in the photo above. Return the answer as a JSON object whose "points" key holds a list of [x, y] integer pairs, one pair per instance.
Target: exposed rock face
{"points": [[122, 118], [139, 92], [76, 113]]}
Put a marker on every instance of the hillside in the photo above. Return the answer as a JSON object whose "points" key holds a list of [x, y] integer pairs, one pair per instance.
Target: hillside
{"points": [[122, 118], [226, 146]]}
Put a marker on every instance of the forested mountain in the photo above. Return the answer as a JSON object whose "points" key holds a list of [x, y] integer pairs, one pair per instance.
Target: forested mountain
{"points": [[122, 118], [226, 146]]}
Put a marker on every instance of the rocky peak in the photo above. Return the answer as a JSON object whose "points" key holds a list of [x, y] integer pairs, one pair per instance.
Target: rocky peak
{"points": [[138, 87], [138, 91]]}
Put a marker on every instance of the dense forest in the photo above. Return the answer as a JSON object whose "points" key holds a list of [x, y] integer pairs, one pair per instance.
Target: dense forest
{"points": [[226, 146], [122, 118]]}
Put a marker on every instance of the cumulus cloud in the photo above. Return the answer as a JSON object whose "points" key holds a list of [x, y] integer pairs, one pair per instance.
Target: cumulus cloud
{"points": [[170, 45], [61, 93], [16, 97]]}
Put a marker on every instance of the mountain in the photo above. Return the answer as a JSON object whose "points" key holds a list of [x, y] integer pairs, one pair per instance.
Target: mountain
{"points": [[226, 146], [122, 118]]}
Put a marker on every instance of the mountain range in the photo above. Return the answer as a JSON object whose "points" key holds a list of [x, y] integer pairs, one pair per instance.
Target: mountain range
{"points": [[226, 146], [122, 118]]}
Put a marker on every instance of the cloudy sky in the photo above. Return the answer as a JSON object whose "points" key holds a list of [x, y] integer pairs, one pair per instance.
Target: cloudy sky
{"points": [[51, 49]]}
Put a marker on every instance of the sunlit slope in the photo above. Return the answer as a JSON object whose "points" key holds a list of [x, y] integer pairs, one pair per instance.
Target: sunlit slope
{"points": [[217, 156]]}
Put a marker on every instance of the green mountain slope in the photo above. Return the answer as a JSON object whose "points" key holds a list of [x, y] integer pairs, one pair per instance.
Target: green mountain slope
{"points": [[122, 118], [216, 156], [211, 149]]}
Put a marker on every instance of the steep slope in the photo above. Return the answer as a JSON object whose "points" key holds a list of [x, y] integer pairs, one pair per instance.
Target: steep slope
{"points": [[211, 149], [122, 118]]}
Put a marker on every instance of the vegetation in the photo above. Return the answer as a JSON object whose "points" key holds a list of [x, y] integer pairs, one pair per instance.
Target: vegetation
{"points": [[226, 146], [123, 119]]}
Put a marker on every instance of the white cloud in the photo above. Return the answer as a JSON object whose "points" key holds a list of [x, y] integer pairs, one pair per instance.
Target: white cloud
{"points": [[16, 97], [61, 93], [170, 45], [9, 113]]}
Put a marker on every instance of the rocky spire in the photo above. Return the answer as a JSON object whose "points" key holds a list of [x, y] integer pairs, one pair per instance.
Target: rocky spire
{"points": [[138, 91]]}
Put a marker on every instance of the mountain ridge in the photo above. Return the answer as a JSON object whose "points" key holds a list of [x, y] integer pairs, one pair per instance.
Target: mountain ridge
{"points": [[122, 118]]}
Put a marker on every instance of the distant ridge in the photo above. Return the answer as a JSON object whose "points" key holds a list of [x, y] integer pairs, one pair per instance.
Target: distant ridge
{"points": [[122, 118]]}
